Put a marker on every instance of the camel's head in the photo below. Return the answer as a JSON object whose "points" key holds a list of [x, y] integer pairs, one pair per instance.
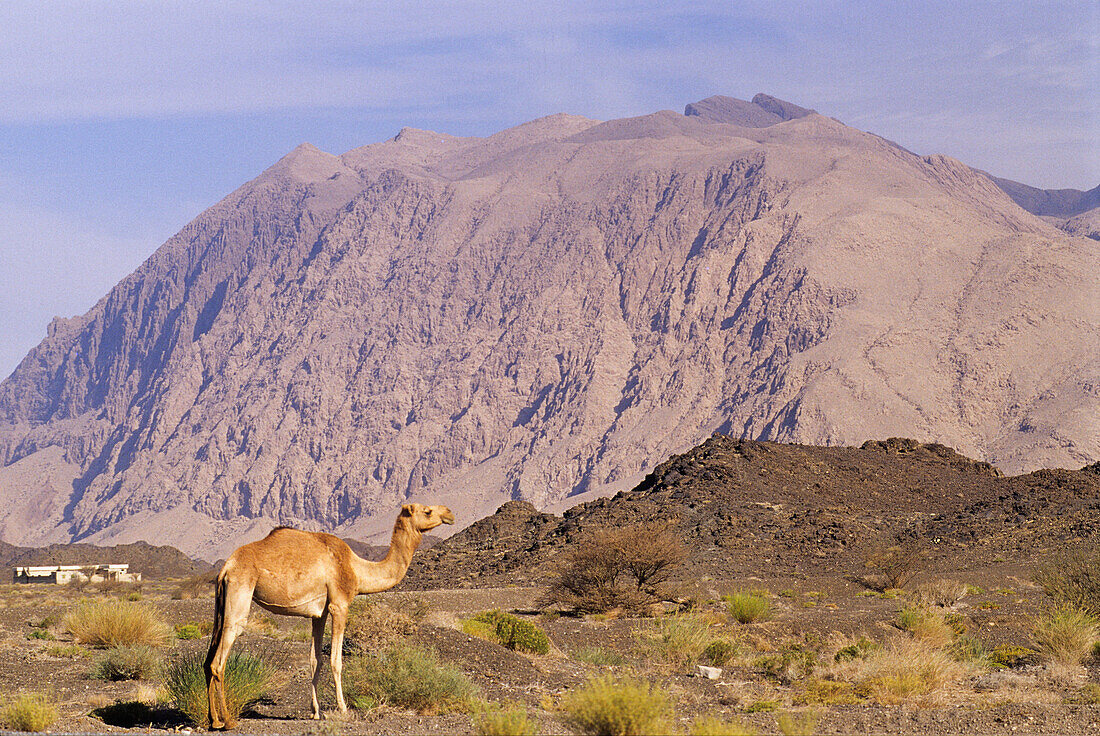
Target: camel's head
{"points": [[424, 517]]}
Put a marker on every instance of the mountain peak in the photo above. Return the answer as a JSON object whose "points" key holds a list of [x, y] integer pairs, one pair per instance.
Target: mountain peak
{"points": [[762, 112]]}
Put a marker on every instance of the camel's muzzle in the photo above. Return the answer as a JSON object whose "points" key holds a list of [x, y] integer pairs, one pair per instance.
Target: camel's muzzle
{"points": [[447, 517]]}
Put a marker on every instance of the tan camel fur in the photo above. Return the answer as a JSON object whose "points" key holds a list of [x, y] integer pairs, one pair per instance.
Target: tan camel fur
{"points": [[309, 574]]}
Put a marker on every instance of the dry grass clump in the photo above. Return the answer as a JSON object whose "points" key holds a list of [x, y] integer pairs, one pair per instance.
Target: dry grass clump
{"points": [[249, 676], [712, 726], [903, 670], [1072, 578], [942, 592], [29, 712], [505, 720], [407, 676], [746, 607], [140, 662], [679, 639], [109, 623], [891, 566], [373, 626], [606, 706], [616, 568], [1066, 635], [925, 625]]}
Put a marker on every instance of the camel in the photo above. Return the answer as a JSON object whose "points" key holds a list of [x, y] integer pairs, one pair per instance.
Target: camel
{"points": [[309, 574]]}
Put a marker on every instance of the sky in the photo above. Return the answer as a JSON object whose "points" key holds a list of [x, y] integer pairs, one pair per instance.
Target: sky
{"points": [[121, 121]]}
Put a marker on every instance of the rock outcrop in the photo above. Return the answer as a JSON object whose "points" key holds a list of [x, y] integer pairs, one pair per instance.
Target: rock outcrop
{"points": [[546, 312]]}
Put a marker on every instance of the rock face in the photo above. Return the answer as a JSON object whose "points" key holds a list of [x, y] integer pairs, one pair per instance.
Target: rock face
{"points": [[548, 311]]}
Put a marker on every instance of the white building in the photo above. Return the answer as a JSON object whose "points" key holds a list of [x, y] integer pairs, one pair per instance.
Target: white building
{"points": [[63, 574]]}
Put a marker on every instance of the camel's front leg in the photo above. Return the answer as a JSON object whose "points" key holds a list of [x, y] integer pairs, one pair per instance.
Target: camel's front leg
{"points": [[339, 620], [315, 660]]}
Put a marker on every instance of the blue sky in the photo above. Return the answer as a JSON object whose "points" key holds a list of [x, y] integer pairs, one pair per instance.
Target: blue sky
{"points": [[120, 121]]}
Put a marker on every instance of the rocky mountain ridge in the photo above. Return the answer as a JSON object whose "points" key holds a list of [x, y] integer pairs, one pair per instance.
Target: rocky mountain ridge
{"points": [[547, 312]]}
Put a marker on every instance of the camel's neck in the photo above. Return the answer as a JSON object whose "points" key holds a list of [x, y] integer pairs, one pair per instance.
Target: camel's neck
{"points": [[378, 576]]}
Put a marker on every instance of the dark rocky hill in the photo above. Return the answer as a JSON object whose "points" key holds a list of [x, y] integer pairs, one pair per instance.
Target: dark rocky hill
{"points": [[748, 508], [153, 562]]}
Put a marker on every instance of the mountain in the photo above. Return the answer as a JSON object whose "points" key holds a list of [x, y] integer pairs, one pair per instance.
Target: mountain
{"points": [[1071, 210], [547, 314]]}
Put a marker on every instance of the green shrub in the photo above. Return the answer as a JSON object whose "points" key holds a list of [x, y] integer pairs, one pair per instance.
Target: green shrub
{"points": [[407, 676], [513, 632], [763, 706], [109, 623], [1072, 578], [1066, 635], [40, 634], [926, 625], [249, 676], [711, 726], [139, 662], [805, 725], [1008, 655], [720, 651], [1088, 695], [29, 712], [747, 607], [610, 707], [188, 631], [502, 720], [859, 650], [790, 663]]}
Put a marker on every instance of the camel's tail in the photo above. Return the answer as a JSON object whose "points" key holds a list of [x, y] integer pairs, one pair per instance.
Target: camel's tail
{"points": [[219, 619]]}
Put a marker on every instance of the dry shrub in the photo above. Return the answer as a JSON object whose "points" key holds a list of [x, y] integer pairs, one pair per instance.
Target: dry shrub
{"points": [[29, 712], [1066, 635], [892, 566], [942, 592], [372, 627], [249, 676], [903, 670], [1072, 578], [109, 623], [617, 568], [196, 586], [606, 706]]}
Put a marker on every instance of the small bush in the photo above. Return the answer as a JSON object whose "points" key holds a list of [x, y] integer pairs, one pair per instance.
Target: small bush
{"points": [[858, 650], [711, 726], [109, 623], [828, 692], [892, 566], [505, 721], [513, 632], [29, 712], [249, 677], [1072, 578], [69, 651], [188, 631], [609, 707], [1088, 695], [905, 670], [1066, 635], [789, 725], [407, 676], [139, 662], [747, 607], [763, 706], [790, 663]]}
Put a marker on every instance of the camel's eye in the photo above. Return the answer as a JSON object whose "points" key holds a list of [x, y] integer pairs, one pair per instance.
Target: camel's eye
{"points": [[428, 512]]}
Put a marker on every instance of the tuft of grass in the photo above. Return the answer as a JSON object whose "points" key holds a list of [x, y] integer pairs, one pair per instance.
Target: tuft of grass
{"points": [[791, 662], [679, 639], [1072, 578], [109, 623], [509, 631], [505, 720], [407, 676], [712, 726], [188, 630], [606, 706], [720, 652], [857, 650], [763, 706], [140, 662], [1066, 635], [249, 676], [69, 651], [29, 712], [746, 607], [906, 670], [1087, 695], [1011, 656], [598, 656], [804, 725], [942, 592]]}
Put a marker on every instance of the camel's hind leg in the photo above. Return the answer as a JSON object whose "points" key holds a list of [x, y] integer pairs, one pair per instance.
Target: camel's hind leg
{"points": [[232, 602], [315, 660]]}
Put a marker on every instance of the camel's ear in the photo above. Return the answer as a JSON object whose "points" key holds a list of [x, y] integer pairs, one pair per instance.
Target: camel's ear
{"points": [[407, 510]]}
